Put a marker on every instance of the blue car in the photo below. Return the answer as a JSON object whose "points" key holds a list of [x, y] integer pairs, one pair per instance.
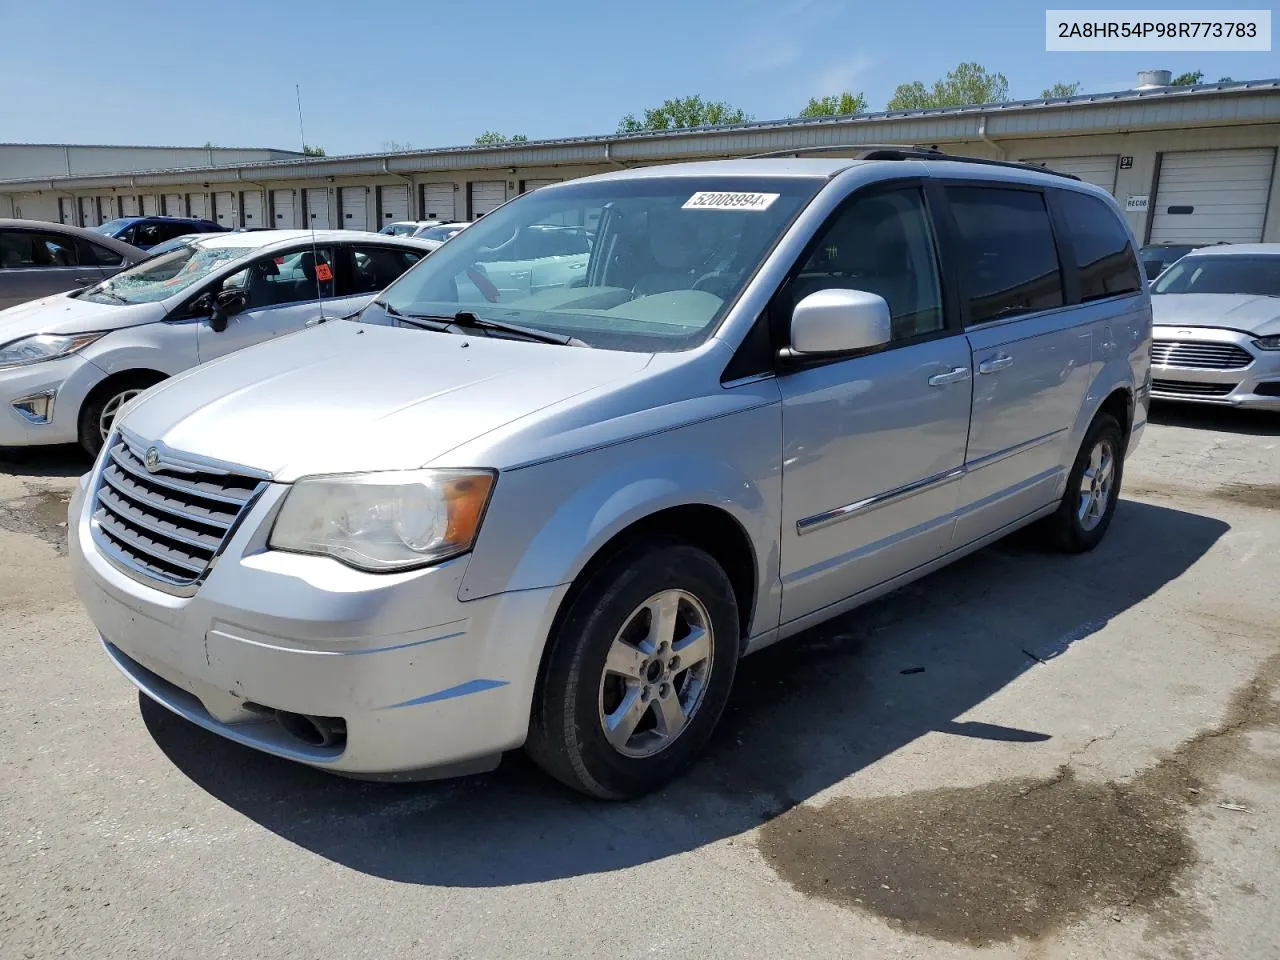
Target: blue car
{"points": [[145, 232]]}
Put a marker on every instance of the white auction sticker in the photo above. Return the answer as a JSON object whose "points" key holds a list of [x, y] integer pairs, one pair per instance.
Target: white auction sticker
{"points": [[712, 200]]}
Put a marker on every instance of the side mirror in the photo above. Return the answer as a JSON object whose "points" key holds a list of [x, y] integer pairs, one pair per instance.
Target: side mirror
{"points": [[837, 321], [225, 306]]}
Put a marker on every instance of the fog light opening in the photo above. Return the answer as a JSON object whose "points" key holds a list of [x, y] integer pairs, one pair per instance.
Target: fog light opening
{"points": [[37, 408]]}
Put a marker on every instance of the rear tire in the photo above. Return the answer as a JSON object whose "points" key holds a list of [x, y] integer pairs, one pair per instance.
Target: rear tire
{"points": [[99, 410], [638, 672], [1093, 488]]}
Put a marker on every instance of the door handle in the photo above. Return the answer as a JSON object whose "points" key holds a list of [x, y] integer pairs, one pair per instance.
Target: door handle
{"points": [[954, 375], [996, 364]]}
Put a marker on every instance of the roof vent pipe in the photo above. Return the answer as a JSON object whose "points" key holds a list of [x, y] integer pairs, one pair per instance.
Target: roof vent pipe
{"points": [[1151, 79]]}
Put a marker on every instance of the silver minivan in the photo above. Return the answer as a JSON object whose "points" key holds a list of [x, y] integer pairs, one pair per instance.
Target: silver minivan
{"points": [[479, 516]]}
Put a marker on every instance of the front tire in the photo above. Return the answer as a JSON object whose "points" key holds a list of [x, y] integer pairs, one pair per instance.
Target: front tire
{"points": [[1093, 488], [638, 673], [101, 406]]}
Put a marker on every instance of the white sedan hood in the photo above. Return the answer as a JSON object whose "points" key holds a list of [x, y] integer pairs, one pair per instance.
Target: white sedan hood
{"points": [[349, 397], [1248, 313], [62, 313]]}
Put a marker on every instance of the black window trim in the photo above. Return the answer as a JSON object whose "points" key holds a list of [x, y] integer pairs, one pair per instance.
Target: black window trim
{"points": [[1067, 252], [182, 312], [954, 254]]}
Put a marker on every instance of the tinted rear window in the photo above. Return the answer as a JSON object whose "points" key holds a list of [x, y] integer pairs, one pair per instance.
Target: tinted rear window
{"points": [[1105, 262], [1008, 259]]}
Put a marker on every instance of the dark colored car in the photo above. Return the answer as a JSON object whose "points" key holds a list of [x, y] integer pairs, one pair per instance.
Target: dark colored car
{"points": [[39, 258], [145, 232]]}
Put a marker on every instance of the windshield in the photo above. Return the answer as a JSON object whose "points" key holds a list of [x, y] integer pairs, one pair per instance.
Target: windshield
{"points": [[1222, 274], [111, 227], [441, 233], [647, 264], [167, 274]]}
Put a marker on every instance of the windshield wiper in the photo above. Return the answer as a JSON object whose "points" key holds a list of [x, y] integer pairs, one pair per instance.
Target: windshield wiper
{"points": [[468, 320], [105, 293]]}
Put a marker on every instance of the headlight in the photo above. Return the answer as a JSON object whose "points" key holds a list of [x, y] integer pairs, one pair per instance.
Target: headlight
{"points": [[1268, 343], [43, 346], [384, 521]]}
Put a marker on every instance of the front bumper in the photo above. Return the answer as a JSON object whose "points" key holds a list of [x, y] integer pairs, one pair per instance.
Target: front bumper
{"points": [[423, 683], [66, 380], [1255, 385]]}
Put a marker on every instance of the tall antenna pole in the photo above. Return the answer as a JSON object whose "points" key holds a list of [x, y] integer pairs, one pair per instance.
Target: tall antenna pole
{"points": [[306, 159]]}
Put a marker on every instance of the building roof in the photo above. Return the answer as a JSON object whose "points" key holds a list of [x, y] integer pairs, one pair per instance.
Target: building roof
{"points": [[1249, 101], [143, 146]]}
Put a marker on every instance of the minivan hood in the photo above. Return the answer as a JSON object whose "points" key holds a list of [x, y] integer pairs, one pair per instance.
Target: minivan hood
{"points": [[352, 397], [1249, 313], [62, 313]]}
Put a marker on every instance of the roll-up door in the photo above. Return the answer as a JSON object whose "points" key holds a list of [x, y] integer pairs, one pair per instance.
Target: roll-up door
{"points": [[487, 195], [317, 208], [129, 206], [172, 203], [282, 208], [195, 203], [66, 210], [437, 201], [527, 185], [224, 209], [89, 212], [150, 206], [352, 204], [1207, 196], [1100, 171], [251, 207], [393, 203], [108, 207]]}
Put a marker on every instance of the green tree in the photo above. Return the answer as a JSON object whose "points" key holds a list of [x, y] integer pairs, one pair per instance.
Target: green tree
{"points": [[1224, 80], [209, 145], [309, 150], [1188, 79], [682, 113], [845, 104], [969, 83], [1061, 90], [494, 137]]}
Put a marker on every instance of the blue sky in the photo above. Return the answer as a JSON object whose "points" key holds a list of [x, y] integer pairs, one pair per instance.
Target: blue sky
{"points": [[429, 73]]}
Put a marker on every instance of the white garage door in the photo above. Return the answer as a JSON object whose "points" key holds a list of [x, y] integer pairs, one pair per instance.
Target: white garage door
{"points": [[487, 195], [66, 210], [129, 206], [394, 203], [149, 206], [352, 201], [172, 203], [251, 204], [317, 208], [108, 208], [437, 201], [282, 206], [224, 209], [89, 212], [527, 185], [1100, 171], [195, 203], [1212, 195]]}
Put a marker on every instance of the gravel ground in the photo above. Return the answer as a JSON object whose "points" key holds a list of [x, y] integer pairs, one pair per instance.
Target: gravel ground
{"points": [[1024, 755]]}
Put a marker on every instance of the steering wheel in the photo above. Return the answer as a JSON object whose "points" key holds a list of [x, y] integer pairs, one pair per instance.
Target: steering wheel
{"points": [[705, 283]]}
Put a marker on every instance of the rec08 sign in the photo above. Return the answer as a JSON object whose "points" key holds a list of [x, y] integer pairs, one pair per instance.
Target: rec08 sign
{"points": [[1136, 205]]}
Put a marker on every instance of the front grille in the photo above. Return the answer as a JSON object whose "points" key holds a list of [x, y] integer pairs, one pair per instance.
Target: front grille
{"points": [[1188, 388], [1199, 354], [169, 523]]}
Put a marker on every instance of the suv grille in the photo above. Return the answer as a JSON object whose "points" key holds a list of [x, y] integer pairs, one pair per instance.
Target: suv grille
{"points": [[1199, 354], [1188, 389], [168, 524]]}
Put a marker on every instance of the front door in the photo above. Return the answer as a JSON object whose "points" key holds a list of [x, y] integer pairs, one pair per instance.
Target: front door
{"points": [[285, 291], [873, 444], [36, 264], [1031, 355]]}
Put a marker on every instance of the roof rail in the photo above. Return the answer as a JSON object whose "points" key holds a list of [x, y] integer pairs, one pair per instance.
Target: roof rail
{"points": [[900, 151]]}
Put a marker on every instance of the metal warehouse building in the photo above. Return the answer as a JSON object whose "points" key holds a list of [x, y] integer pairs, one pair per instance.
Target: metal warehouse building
{"points": [[1190, 164]]}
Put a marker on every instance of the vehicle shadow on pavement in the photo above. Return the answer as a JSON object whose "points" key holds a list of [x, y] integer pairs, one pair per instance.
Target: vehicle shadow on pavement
{"points": [[1252, 423], [59, 461], [805, 714]]}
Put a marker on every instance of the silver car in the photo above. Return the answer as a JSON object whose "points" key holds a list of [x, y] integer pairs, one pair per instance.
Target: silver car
{"points": [[39, 258], [68, 363], [474, 518], [1217, 327]]}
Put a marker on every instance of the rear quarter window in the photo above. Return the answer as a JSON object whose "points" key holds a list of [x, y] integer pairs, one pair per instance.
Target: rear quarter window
{"points": [[1105, 262]]}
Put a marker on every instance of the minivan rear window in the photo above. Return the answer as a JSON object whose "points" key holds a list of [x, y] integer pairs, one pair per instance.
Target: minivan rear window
{"points": [[1105, 262], [1007, 255]]}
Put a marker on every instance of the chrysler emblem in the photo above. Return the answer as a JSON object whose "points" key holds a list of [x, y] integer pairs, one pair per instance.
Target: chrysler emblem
{"points": [[152, 460]]}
